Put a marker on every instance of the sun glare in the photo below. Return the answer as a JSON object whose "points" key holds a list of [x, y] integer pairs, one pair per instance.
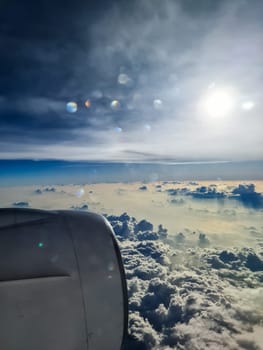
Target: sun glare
{"points": [[248, 105], [218, 102]]}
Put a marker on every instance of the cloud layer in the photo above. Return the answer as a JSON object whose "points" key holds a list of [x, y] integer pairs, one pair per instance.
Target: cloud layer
{"points": [[197, 298], [156, 62], [244, 193]]}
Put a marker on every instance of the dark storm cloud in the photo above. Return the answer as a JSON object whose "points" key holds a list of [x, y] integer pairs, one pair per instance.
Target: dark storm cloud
{"points": [[211, 300], [64, 51], [40, 41], [42, 68]]}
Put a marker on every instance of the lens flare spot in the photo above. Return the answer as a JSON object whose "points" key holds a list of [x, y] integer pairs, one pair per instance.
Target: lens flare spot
{"points": [[115, 104], [40, 245], [72, 107], [154, 177], [212, 85], [118, 130], [123, 79], [248, 105], [147, 127], [111, 266], [87, 103], [80, 192], [157, 104]]}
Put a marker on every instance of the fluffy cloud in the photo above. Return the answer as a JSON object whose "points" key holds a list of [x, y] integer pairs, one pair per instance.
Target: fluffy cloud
{"points": [[245, 193], [208, 299], [83, 206], [175, 201], [237, 260], [46, 189], [248, 196], [207, 193], [21, 204], [49, 189]]}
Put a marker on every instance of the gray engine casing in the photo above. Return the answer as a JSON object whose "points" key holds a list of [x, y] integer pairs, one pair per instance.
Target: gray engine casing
{"points": [[62, 282]]}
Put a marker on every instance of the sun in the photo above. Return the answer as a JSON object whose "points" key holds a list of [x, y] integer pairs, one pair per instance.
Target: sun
{"points": [[218, 102]]}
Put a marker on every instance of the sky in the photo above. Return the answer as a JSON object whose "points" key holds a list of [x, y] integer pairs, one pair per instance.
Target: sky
{"points": [[51, 172], [131, 80]]}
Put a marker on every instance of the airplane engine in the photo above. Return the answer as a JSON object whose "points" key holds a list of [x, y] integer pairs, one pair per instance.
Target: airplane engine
{"points": [[62, 282]]}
